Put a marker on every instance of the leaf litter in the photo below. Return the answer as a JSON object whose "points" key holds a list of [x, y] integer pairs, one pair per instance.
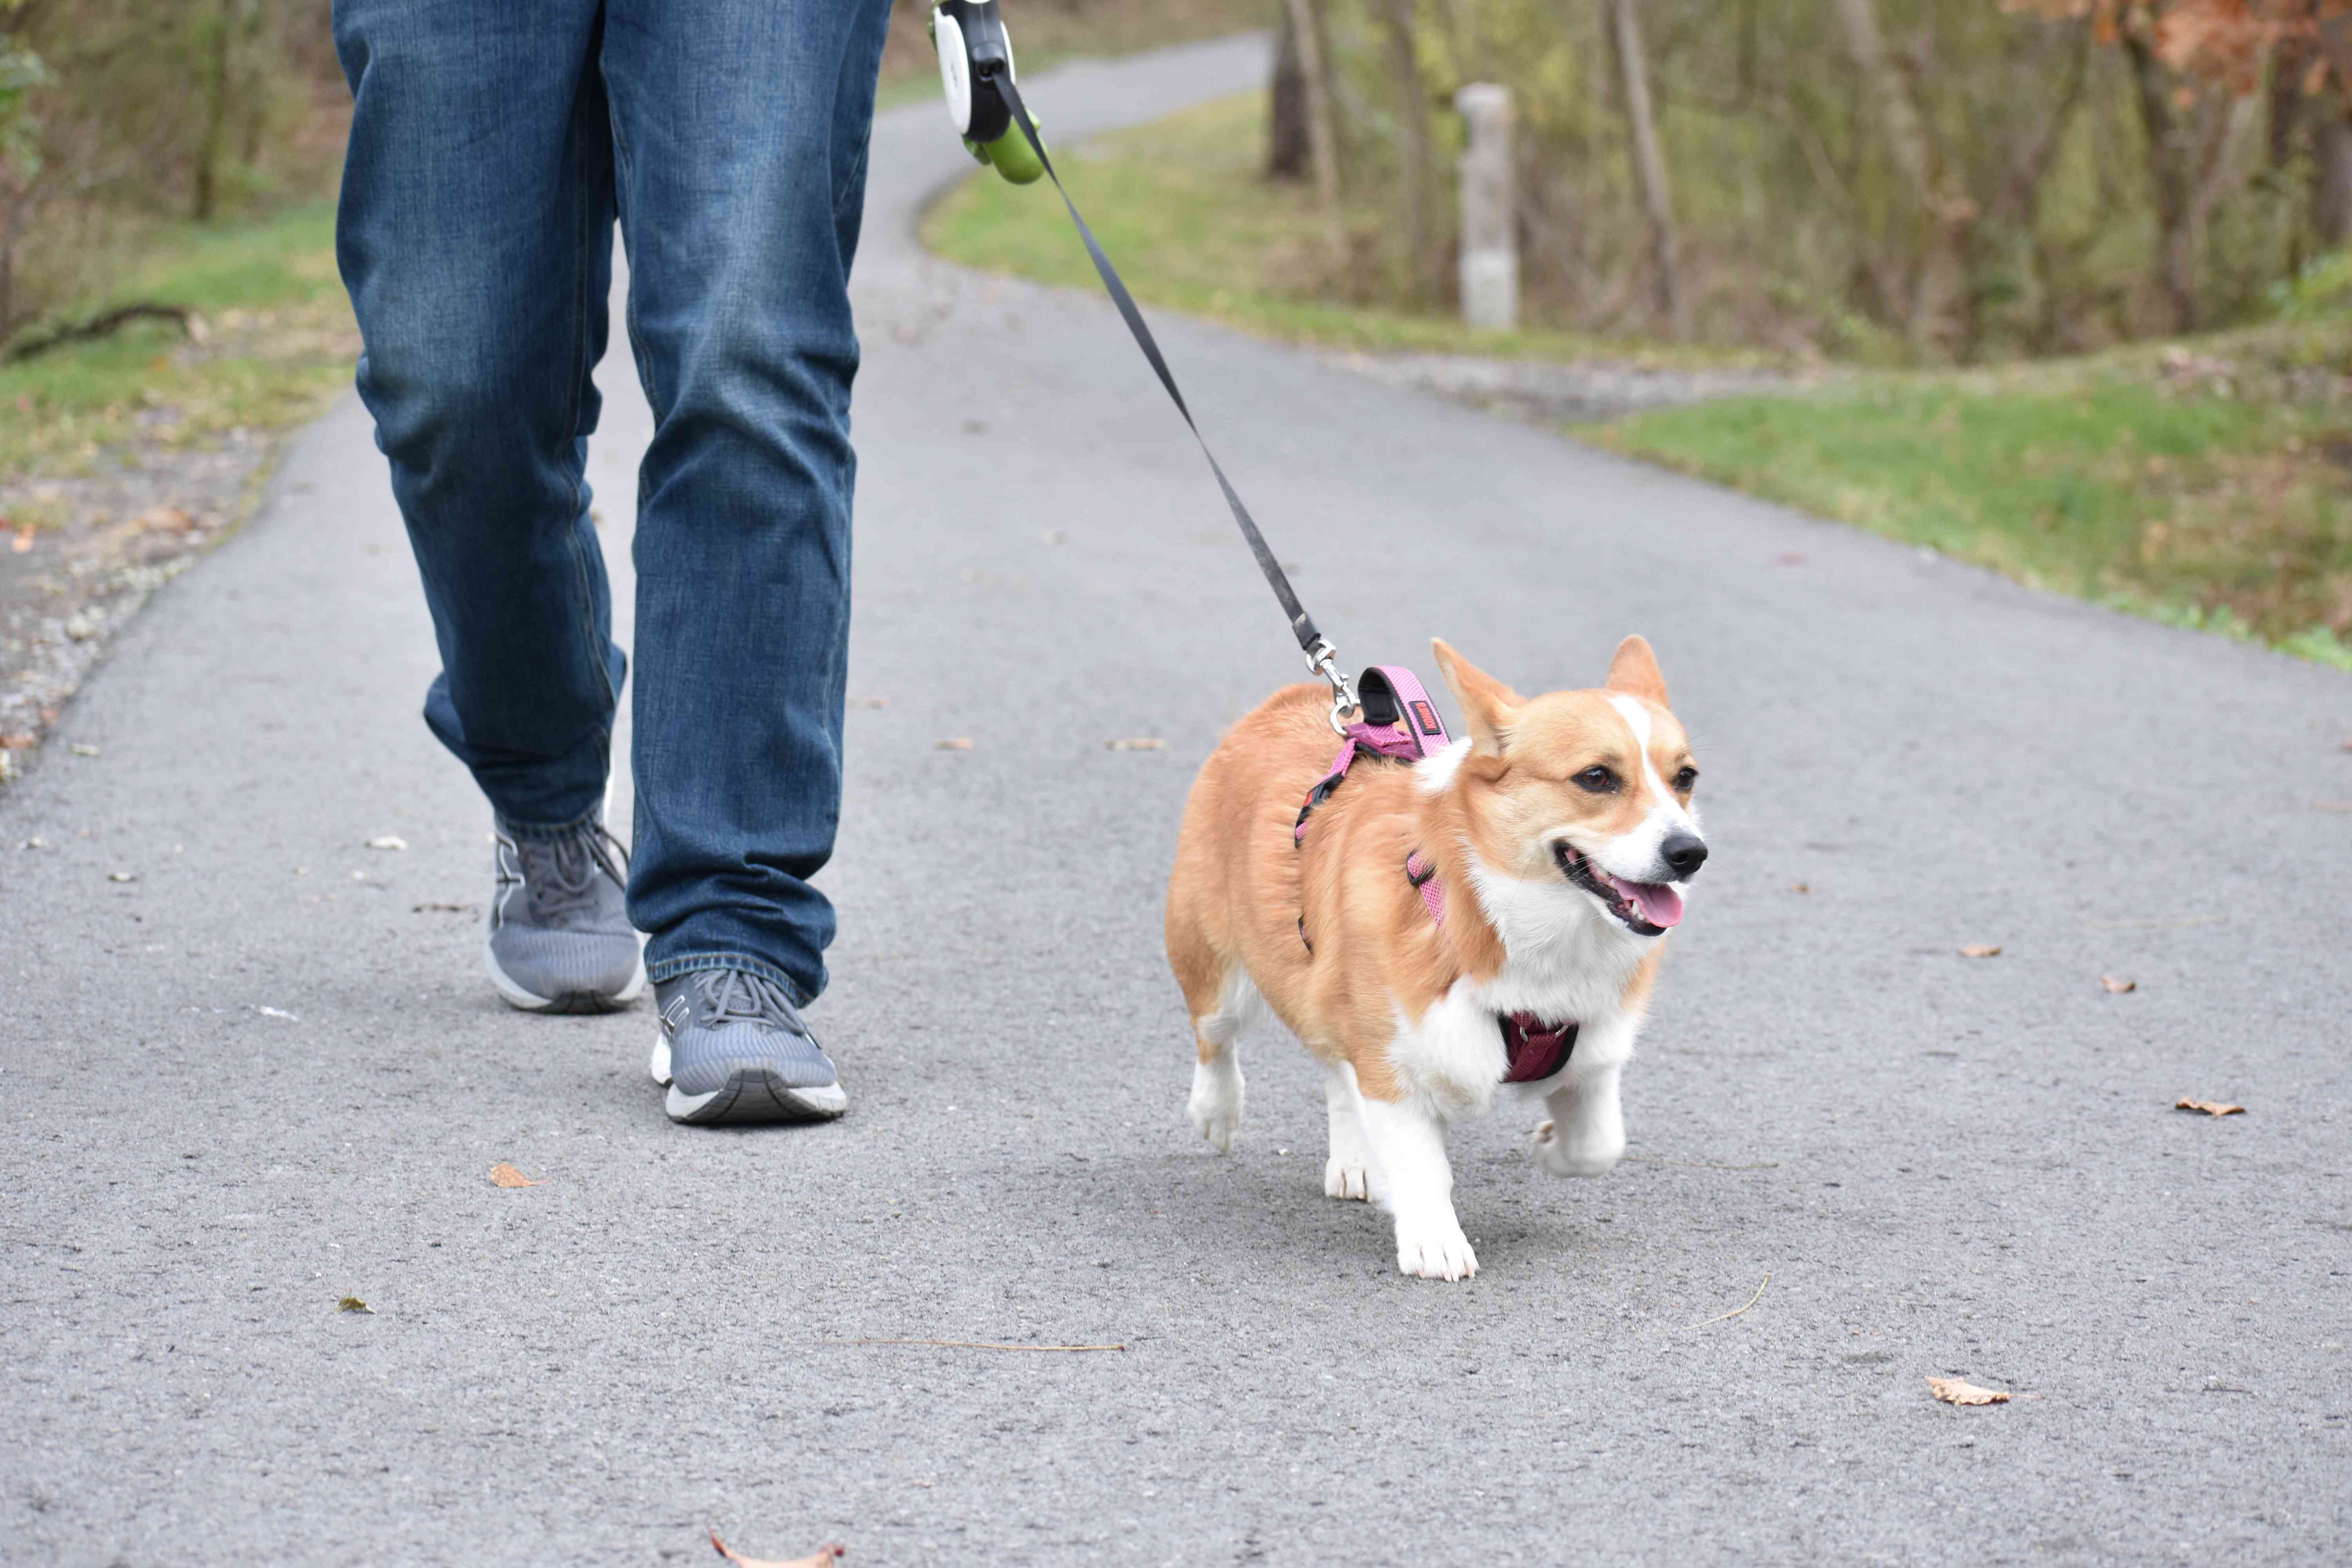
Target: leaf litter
{"points": [[505, 1175], [353, 1304], [822, 1557], [2209, 1107], [1960, 1391], [2115, 987], [953, 744], [1981, 950]]}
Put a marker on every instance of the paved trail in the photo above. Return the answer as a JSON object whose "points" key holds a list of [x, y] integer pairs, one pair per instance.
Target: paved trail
{"points": [[267, 1073]]}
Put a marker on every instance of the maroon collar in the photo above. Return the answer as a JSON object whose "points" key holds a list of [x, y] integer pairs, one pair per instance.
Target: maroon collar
{"points": [[1533, 1049]]}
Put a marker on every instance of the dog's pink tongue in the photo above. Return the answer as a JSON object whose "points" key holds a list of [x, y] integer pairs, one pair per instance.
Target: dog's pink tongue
{"points": [[1661, 905]]}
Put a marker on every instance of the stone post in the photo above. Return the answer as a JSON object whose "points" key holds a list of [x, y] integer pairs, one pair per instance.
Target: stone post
{"points": [[1490, 246]]}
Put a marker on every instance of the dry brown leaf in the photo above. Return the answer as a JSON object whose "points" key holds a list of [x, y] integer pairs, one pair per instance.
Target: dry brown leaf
{"points": [[1981, 950], [1960, 1391], [353, 1304], [2118, 987], [953, 744], [822, 1557], [1801, 887], [1137, 743], [505, 1175], [2209, 1107]]}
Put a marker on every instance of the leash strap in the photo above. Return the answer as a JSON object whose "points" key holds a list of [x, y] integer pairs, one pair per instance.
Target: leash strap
{"points": [[1302, 624]]}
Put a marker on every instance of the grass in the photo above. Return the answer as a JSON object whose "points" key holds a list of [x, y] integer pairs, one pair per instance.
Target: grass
{"points": [[1183, 208], [2208, 487], [278, 344]]}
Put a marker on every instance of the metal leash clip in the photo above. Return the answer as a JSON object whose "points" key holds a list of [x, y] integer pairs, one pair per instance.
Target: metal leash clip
{"points": [[1324, 660]]}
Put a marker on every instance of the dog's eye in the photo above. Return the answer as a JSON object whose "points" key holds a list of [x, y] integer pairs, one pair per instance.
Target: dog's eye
{"points": [[1598, 779], [1685, 779]]}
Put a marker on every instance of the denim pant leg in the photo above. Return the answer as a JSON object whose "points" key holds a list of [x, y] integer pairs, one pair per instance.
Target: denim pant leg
{"points": [[739, 129], [475, 235]]}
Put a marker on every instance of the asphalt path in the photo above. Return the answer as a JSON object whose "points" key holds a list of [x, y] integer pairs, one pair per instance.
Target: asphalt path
{"points": [[265, 1072]]}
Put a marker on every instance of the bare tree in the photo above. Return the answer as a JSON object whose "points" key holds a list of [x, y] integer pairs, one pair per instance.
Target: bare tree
{"points": [[1413, 108], [1938, 274], [1650, 168], [1322, 129]]}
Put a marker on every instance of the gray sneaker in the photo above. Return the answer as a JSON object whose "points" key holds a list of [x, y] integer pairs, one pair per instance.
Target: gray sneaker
{"points": [[560, 938], [732, 1047]]}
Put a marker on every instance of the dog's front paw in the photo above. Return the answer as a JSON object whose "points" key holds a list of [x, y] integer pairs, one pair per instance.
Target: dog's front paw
{"points": [[1341, 1180], [1431, 1247], [1217, 1103], [1564, 1156]]}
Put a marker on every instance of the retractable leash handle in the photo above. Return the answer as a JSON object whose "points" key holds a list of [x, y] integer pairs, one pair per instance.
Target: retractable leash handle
{"points": [[997, 80], [974, 51]]}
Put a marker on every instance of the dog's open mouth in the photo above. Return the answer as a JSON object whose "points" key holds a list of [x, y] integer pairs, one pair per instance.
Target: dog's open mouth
{"points": [[1646, 907]]}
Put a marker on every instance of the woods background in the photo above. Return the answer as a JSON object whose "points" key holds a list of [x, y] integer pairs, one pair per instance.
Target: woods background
{"points": [[1880, 180]]}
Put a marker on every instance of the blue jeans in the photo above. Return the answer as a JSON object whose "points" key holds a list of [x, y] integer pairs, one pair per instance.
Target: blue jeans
{"points": [[493, 146]]}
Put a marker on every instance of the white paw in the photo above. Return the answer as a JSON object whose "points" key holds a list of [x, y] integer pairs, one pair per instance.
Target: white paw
{"points": [[1563, 1157], [1217, 1103], [1431, 1247], [1341, 1180]]}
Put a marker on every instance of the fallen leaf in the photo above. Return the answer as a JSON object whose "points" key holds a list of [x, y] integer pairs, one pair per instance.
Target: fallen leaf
{"points": [[23, 742], [2118, 987], [953, 744], [1981, 950], [442, 909], [122, 876], [1137, 743], [1801, 887], [1959, 1391], [82, 749], [505, 1175], [353, 1304], [23, 542], [822, 1558], [389, 841], [2210, 1107]]}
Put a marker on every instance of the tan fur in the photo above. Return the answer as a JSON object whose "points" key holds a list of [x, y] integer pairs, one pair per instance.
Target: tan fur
{"points": [[1239, 887]]}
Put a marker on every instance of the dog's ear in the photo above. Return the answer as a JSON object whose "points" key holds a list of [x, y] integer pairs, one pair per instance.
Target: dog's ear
{"points": [[1487, 705], [1635, 671]]}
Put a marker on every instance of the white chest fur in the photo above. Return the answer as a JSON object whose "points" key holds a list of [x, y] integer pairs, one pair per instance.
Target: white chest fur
{"points": [[1565, 960]]}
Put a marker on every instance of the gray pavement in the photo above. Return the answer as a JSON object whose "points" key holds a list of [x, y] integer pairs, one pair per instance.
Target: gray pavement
{"points": [[267, 1073]]}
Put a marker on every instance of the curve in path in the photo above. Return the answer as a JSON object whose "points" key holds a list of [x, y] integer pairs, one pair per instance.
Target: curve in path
{"points": [[265, 1074]]}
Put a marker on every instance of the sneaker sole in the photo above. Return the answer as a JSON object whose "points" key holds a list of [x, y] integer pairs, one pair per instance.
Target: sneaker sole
{"points": [[756, 1096], [525, 1000]]}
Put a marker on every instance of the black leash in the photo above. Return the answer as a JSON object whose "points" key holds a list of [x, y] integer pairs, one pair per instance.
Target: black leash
{"points": [[1319, 653]]}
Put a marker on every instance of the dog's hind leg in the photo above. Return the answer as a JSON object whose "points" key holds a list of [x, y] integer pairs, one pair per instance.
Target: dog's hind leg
{"points": [[1217, 1019], [1347, 1174]]}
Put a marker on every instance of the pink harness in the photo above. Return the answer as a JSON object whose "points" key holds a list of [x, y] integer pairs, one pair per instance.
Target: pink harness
{"points": [[1400, 722]]}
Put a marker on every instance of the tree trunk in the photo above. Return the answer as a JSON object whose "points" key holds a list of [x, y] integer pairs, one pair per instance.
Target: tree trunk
{"points": [[213, 145], [2331, 179], [1413, 108], [1322, 129], [1286, 151], [1650, 167], [2191, 166], [1943, 214]]}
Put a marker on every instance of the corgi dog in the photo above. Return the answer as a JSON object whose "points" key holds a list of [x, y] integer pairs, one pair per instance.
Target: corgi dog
{"points": [[1491, 914]]}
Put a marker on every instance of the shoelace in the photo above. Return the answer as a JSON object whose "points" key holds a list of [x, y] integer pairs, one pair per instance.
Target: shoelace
{"points": [[735, 996], [572, 864]]}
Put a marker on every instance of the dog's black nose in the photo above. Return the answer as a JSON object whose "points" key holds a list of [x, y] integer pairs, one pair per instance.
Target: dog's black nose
{"points": [[1682, 852]]}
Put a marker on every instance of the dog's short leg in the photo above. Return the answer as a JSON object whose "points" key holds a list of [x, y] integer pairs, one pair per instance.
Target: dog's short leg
{"points": [[1586, 1136], [1416, 1182], [1217, 1103], [1347, 1174]]}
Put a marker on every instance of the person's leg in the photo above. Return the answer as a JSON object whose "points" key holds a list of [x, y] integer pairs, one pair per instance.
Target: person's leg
{"points": [[475, 235], [739, 131]]}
